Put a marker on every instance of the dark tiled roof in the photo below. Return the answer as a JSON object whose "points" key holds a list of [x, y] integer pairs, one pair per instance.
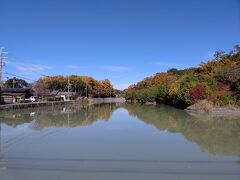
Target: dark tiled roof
{"points": [[13, 94], [53, 93], [14, 90]]}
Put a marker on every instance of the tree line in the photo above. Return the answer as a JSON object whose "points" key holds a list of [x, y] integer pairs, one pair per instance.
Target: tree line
{"points": [[82, 85], [217, 81]]}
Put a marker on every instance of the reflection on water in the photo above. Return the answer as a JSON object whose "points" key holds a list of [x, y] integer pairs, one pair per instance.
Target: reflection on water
{"points": [[58, 116], [217, 135], [127, 140]]}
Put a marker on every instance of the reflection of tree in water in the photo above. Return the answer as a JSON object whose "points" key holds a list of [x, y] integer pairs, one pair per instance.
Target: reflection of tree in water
{"points": [[59, 116], [2, 161], [15, 119], [217, 135]]}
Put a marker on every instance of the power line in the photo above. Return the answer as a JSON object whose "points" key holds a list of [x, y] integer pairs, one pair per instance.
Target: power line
{"points": [[15, 60], [15, 75], [32, 65]]}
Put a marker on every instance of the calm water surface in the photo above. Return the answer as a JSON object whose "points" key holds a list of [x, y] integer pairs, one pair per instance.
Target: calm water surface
{"points": [[118, 142]]}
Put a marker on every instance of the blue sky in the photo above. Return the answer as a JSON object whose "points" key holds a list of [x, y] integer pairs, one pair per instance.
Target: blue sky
{"points": [[122, 40]]}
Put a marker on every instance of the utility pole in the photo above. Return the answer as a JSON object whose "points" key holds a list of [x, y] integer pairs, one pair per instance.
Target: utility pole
{"points": [[2, 57], [98, 91], [68, 88], [13, 82], [86, 90]]}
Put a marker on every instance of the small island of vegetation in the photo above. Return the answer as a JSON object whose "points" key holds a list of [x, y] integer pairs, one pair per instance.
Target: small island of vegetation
{"points": [[215, 83]]}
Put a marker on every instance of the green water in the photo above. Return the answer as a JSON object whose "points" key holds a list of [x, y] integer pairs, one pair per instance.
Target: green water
{"points": [[110, 141]]}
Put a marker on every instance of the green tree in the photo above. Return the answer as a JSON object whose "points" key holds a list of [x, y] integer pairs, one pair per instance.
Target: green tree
{"points": [[162, 93], [15, 83]]}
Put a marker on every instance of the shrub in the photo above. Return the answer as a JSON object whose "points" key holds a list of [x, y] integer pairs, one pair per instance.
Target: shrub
{"points": [[194, 87], [198, 92], [85, 102], [184, 97], [225, 98], [236, 86], [162, 93], [130, 95], [179, 90], [209, 81], [227, 74], [146, 95]]}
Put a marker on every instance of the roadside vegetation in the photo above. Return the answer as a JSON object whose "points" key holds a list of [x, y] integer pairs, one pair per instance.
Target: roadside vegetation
{"points": [[216, 82]]}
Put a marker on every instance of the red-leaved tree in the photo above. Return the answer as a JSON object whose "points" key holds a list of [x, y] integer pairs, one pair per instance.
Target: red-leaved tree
{"points": [[198, 92]]}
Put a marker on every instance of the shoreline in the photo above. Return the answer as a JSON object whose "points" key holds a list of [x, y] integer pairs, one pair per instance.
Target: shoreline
{"points": [[198, 108], [205, 106], [190, 109], [214, 110], [92, 101], [8, 107]]}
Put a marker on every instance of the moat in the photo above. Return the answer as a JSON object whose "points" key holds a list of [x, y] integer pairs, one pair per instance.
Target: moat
{"points": [[118, 141]]}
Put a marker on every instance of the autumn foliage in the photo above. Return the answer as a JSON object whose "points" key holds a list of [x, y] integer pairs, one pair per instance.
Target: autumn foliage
{"points": [[198, 92], [217, 80], [82, 85]]}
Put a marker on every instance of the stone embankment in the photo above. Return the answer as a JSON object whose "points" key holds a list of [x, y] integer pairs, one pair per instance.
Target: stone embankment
{"points": [[204, 106], [106, 100], [33, 105], [217, 110], [57, 103]]}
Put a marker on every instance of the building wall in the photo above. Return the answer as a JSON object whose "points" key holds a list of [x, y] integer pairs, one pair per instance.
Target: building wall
{"points": [[8, 99], [106, 100]]}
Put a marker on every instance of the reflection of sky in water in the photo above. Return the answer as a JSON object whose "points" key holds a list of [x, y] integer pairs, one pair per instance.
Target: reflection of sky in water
{"points": [[106, 139]]}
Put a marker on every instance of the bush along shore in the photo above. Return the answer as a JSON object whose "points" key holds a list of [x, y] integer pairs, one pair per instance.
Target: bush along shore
{"points": [[213, 86]]}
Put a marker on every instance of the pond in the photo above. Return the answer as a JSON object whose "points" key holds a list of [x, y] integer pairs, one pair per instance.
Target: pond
{"points": [[118, 141]]}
